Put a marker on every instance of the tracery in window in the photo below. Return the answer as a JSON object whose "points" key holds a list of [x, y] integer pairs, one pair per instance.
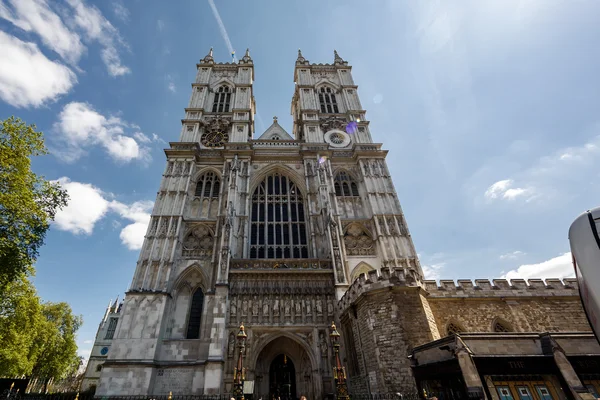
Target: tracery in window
{"points": [[501, 326], [208, 185], [453, 329], [344, 185], [278, 227], [198, 243], [222, 99], [327, 101], [206, 196], [193, 327], [358, 242]]}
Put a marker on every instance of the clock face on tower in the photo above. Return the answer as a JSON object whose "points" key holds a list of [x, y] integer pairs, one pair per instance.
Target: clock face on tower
{"points": [[104, 351], [214, 139]]}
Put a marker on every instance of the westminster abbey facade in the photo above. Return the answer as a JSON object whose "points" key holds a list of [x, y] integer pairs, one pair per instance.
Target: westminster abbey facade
{"points": [[287, 231]]}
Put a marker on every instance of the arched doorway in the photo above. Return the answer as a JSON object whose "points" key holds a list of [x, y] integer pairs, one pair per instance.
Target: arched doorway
{"points": [[282, 379], [283, 360]]}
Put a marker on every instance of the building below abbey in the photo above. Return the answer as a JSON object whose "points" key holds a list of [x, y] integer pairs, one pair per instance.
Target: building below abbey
{"points": [[289, 231]]}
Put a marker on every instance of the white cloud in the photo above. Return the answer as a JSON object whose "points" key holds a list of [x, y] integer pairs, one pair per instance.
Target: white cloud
{"points": [[97, 28], [88, 204], [132, 235], [170, 84], [65, 38], [121, 11], [503, 189], [160, 25], [80, 126], [433, 271], [89, 341], [558, 267], [512, 255], [37, 17], [27, 77]]}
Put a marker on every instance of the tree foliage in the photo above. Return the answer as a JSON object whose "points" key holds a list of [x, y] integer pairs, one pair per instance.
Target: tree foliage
{"points": [[28, 202], [38, 339]]}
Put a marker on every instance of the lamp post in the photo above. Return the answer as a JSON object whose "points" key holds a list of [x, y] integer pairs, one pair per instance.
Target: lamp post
{"points": [[339, 372], [239, 372]]}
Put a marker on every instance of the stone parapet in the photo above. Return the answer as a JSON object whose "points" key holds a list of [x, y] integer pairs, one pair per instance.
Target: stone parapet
{"points": [[465, 288], [376, 280]]}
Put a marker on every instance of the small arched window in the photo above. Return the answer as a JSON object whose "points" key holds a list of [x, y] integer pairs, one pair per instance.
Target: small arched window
{"points": [[327, 101], [453, 329], [99, 368], [208, 185], [275, 137], [222, 99], [344, 185], [193, 328], [501, 326]]}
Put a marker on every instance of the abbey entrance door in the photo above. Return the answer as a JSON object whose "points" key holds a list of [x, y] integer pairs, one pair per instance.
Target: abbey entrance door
{"points": [[282, 379]]}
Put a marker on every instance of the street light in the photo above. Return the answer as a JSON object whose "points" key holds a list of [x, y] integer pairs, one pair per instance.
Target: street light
{"points": [[239, 372], [339, 372]]}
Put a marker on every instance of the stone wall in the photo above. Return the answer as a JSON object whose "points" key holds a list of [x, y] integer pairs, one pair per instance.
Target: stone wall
{"points": [[533, 306], [387, 312]]}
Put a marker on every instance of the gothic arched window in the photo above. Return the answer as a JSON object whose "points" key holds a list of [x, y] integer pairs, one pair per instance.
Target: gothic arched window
{"points": [[222, 99], [453, 328], [501, 326], [208, 185], [327, 101], [278, 227], [193, 327], [344, 185]]}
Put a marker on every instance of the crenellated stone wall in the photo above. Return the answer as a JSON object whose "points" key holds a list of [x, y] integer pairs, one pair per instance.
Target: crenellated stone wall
{"points": [[387, 312]]}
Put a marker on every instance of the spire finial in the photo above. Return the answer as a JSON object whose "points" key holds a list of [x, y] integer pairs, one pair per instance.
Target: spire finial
{"points": [[301, 59], [247, 53], [336, 58], [246, 58], [209, 57], [274, 119]]}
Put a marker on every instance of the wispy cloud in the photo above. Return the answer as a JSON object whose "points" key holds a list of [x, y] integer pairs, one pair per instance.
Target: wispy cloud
{"points": [[160, 25], [557, 267], [120, 11], [221, 25], [170, 84], [433, 271], [504, 190], [513, 255]]}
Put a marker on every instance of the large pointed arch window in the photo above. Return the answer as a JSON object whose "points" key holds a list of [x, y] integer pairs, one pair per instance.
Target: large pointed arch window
{"points": [[344, 185], [193, 327], [278, 227], [222, 99], [327, 101], [208, 185]]}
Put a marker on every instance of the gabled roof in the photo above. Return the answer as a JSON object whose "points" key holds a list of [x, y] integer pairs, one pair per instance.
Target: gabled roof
{"points": [[275, 132]]}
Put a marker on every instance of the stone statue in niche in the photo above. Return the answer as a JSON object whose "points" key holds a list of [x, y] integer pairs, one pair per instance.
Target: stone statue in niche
{"points": [[375, 168], [308, 307], [298, 307], [233, 307], [265, 307], [276, 307], [245, 308], [255, 307], [367, 169], [309, 169], [329, 307], [231, 345], [319, 307], [323, 344], [287, 307]]}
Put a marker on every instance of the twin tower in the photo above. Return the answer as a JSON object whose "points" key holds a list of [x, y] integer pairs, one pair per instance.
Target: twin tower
{"points": [[270, 230]]}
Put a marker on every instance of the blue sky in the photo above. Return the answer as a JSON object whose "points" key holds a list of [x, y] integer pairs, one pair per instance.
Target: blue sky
{"points": [[489, 110]]}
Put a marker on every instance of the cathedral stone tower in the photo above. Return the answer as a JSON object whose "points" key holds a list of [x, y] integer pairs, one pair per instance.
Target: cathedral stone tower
{"points": [[269, 231]]}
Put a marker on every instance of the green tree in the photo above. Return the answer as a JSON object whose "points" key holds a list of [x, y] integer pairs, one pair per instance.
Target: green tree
{"points": [[28, 202], [20, 317], [54, 348]]}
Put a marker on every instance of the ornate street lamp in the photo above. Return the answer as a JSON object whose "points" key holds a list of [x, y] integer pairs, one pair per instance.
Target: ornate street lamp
{"points": [[239, 372], [339, 372]]}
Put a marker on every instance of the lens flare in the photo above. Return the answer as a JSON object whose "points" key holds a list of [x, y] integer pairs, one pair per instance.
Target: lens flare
{"points": [[322, 160], [352, 127]]}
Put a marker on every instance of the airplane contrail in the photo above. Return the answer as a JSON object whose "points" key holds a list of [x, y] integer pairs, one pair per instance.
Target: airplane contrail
{"points": [[224, 34]]}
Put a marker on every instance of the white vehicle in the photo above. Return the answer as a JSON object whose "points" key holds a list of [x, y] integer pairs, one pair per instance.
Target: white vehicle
{"points": [[585, 248]]}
